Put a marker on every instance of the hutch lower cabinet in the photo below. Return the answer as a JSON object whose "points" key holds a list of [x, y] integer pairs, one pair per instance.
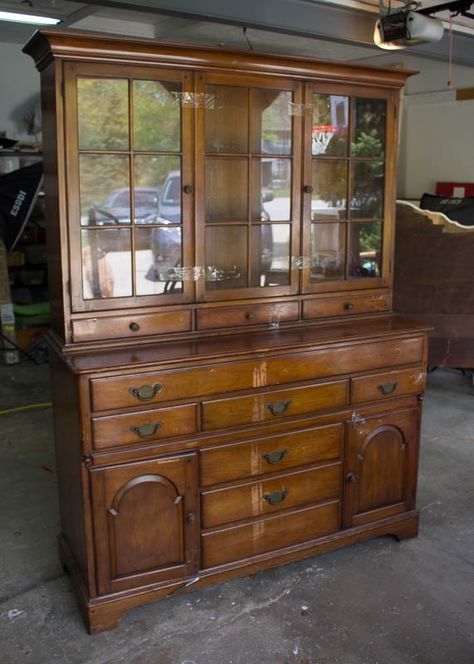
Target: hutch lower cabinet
{"points": [[231, 389]]}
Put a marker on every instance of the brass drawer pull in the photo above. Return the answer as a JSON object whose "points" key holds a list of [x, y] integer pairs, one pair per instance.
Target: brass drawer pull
{"points": [[278, 407], [250, 316], [134, 327], [146, 430], [274, 457], [351, 477], [276, 497], [388, 388], [146, 392], [348, 305]]}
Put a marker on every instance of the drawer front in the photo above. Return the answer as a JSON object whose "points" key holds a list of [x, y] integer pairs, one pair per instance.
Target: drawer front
{"points": [[269, 534], [119, 430], [270, 455], [152, 387], [255, 499], [253, 314], [387, 384], [110, 327], [262, 407], [350, 303]]}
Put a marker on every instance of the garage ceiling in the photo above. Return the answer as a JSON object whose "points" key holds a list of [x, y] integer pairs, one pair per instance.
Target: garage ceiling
{"points": [[328, 29]]}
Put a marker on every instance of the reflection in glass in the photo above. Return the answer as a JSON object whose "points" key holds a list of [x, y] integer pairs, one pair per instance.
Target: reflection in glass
{"points": [[157, 193], [104, 189], [270, 255], [327, 252], [271, 189], [226, 118], [330, 125], [365, 250], [226, 189], [367, 190], [106, 263], [156, 116], [271, 121], [329, 199], [226, 257], [158, 253], [102, 108], [369, 119]]}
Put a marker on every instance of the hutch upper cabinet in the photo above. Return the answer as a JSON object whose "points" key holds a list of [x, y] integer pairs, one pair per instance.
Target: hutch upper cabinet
{"points": [[231, 388]]}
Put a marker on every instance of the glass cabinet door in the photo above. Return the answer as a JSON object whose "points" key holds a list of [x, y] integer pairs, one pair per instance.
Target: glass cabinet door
{"points": [[129, 151], [248, 164], [346, 174]]}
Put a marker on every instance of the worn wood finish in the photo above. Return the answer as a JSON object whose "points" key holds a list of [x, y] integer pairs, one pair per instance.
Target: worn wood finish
{"points": [[142, 426], [347, 305], [256, 413], [388, 384], [261, 456], [131, 326], [268, 534], [259, 408], [281, 492]]}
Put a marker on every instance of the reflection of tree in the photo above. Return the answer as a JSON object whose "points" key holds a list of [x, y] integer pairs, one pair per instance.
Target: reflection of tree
{"points": [[103, 111]]}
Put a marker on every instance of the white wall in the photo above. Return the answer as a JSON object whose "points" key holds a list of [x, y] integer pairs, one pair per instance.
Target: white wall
{"points": [[19, 89], [437, 134]]}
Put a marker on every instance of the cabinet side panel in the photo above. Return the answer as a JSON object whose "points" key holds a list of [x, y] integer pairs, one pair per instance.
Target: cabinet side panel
{"points": [[67, 434], [51, 82]]}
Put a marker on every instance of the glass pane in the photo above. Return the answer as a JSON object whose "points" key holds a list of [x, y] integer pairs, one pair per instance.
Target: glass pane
{"points": [[226, 118], [367, 190], [226, 257], [329, 199], [156, 116], [271, 121], [158, 260], [226, 189], [327, 252], [271, 189], [157, 193], [102, 109], [365, 250], [106, 263], [104, 189], [369, 119], [270, 255], [330, 125]]}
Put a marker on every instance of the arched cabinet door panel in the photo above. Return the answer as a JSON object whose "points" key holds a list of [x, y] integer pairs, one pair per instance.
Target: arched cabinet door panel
{"points": [[145, 522], [382, 458]]}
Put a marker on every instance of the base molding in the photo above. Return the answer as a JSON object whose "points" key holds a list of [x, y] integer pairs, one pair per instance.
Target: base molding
{"points": [[105, 612]]}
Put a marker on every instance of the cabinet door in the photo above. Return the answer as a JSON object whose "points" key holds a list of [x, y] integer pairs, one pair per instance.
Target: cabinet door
{"points": [[129, 150], [146, 522], [381, 467], [248, 174], [350, 139]]}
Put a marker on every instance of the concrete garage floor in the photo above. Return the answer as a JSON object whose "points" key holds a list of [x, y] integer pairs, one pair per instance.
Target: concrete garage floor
{"points": [[380, 602]]}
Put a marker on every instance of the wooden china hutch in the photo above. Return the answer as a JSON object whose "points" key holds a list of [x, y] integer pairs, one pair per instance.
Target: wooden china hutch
{"points": [[231, 389]]}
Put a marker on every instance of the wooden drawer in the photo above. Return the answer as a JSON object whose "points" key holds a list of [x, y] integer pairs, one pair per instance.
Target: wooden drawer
{"points": [[268, 455], [90, 329], [349, 303], [119, 430], [253, 314], [281, 492], [124, 391], [264, 406], [269, 534], [387, 384]]}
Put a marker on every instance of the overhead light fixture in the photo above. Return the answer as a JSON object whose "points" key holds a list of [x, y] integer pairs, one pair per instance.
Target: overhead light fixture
{"points": [[31, 19], [406, 28]]}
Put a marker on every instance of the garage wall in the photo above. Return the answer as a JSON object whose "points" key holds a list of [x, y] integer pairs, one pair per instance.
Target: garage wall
{"points": [[437, 136], [19, 90]]}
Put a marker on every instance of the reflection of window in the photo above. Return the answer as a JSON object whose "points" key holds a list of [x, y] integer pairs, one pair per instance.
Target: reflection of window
{"points": [[145, 199], [122, 200]]}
